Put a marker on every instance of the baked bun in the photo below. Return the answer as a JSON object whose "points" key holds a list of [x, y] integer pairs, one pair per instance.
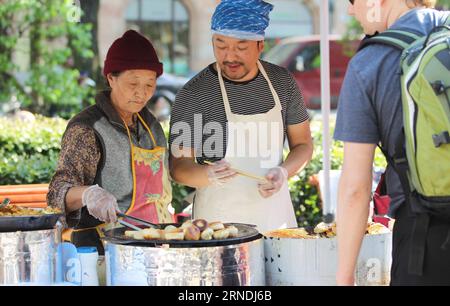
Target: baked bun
{"points": [[178, 234], [221, 234], [137, 235], [170, 229], [216, 226], [201, 224], [186, 224], [233, 230], [192, 233], [151, 234], [207, 234]]}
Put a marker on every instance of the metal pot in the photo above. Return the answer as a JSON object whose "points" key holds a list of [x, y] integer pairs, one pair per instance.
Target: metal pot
{"points": [[230, 262], [298, 262], [28, 257]]}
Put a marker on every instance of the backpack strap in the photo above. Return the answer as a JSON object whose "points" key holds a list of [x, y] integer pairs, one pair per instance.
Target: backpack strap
{"points": [[421, 221], [394, 38]]}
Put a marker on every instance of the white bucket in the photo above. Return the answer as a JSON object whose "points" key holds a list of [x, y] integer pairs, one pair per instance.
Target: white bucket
{"points": [[304, 262]]}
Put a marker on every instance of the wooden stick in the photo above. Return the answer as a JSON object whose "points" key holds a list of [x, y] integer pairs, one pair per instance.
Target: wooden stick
{"points": [[243, 173]]}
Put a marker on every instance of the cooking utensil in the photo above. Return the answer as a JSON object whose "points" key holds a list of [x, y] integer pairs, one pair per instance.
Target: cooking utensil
{"points": [[28, 223], [129, 225], [261, 179], [143, 222], [245, 234]]}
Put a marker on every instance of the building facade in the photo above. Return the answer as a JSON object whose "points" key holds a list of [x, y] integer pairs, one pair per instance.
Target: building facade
{"points": [[180, 28]]}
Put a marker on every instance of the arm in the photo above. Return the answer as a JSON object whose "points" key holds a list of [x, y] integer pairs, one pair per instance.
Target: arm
{"points": [[185, 170], [353, 207], [301, 148], [76, 169]]}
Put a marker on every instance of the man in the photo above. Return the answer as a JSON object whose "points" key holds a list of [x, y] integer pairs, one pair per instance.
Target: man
{"points": [[370, 112], [234, 115]]}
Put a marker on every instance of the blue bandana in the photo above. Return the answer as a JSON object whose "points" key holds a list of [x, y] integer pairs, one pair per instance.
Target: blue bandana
{"points": [[243, 19]]}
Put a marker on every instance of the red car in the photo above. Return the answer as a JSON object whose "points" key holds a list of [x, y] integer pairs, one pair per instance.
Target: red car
{"points": [[301, 56]]}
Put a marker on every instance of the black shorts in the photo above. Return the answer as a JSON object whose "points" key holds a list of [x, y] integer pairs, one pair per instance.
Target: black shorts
{"points": [[436, 269]]}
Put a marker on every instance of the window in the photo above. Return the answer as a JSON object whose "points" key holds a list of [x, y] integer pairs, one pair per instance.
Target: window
{"points": [[166, 24]]}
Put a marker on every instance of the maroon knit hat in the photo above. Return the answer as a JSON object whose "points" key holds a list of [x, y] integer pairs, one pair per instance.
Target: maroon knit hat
{"points": [[132, 51]]}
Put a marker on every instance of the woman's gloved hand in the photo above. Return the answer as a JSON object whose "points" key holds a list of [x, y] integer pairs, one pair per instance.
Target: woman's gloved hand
{"points": [[100, 203], [220, 173], [276, 177]]}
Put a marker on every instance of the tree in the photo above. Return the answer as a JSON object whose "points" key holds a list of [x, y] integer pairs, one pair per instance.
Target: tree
{"points": [[55, 38]]}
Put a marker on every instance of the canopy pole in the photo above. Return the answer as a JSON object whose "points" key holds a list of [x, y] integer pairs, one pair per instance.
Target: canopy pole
{"points": [[325, 108]]}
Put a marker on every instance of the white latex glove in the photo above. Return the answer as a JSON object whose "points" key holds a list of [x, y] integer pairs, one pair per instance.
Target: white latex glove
{"points": [[100, 203], [276, 177], [220, 173]]}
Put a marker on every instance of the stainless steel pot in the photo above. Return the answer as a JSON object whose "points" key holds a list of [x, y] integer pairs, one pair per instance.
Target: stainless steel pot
{"points": [[28, 258], [234, 265], [301, 262]]}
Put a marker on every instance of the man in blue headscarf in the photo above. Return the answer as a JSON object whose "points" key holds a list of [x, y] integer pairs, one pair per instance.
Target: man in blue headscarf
{"points": [[240, 110]]}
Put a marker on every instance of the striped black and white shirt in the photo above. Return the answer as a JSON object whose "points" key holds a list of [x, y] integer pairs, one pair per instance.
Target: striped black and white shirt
{"points": [[200, 102]]}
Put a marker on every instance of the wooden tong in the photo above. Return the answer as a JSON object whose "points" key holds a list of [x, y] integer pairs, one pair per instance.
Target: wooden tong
{"points": [[261, 179]]}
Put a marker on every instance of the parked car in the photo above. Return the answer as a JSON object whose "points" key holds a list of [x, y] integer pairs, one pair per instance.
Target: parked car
{"points": [[301, 56]]}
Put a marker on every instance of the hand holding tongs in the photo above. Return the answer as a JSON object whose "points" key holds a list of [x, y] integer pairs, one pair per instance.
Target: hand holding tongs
{"points": [[143, 222]]}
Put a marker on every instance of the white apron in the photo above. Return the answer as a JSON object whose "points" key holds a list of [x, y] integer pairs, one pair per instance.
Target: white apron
{"points": [[239, 200]]}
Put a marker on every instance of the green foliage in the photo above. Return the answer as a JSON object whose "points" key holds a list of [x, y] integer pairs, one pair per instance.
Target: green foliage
{"points": [[29, 150], [303, 187], [46, 32]]}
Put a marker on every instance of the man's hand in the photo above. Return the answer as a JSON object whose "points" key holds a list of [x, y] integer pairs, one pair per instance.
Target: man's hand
{"points": [[276, 177]]}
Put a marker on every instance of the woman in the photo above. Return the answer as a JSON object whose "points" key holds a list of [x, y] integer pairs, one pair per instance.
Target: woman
{"points": [[113, 154]]}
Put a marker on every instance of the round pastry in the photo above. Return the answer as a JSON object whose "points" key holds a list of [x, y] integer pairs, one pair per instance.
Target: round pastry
{"points": [[320, 228], [233, 230], [175, 235], [151, 234], [216, 226], [170, 229], [186, 224], [207, 234], [192, 233], [221, 234], [137, 235], [201, 224], [162, 234], [130, 234]]}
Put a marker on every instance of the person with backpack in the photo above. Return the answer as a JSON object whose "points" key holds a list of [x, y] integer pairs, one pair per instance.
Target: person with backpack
{"points": [[396, 95]]}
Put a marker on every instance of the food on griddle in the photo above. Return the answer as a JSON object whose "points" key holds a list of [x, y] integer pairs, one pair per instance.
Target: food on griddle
{"points": [[192, 233], [138, 235], [186, 224], [201, 224], [322, 227], [221, 234], [151, 234], [170, 229], [322, 230], [291, 233], [175, 235], [216, 226], [207, 234], [232, 230], [374, 228], [14, 210], [189, 230]]}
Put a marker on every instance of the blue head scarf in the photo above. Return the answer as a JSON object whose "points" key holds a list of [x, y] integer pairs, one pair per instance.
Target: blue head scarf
{"points": [[243, 19]]}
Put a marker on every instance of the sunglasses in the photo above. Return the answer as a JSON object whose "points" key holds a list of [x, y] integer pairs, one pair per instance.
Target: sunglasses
{"points": [[352, 1]]}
